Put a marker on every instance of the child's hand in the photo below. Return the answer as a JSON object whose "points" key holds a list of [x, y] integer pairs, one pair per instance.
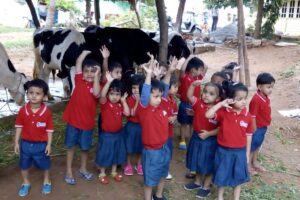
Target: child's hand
{"points": [[189, 112], [17, 148], [197, 82], [147, 69], [137, 97], [105, 52], [157, 71], [48, 150], [82, 56], [203, 134], [172, 119], [227, 102], [124, 97], [173, 64], [98, 71], [180, 63], [109, 77]]}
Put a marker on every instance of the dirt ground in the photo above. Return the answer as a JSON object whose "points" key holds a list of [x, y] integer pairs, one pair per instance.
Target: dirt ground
{"points": [[282, 144]]}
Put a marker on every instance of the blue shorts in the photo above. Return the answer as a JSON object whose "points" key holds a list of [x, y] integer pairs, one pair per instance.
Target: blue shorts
{"points": [[182, 117], [133, 138], [155, 165], [75, 136], [34, 152], [170, 145], [258, 138], [111, 149], [231, 167], [201, 154]]}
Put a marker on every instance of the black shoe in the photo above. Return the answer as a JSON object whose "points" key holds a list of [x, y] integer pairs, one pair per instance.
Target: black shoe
{"points": [[154, 197], [202, 193], [192, 186]]}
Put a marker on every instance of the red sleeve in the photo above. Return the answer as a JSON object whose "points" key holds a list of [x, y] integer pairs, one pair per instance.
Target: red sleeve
{"points": [[254, 106], [78, 77], [196, 103], [249, 130], [20, 118], [50, 124], [175, 108], [219, 115]]}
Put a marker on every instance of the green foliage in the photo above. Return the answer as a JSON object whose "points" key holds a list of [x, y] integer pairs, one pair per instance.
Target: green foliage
{"points": [[250, 30], [9, 29], [288, 72], [271, 11], [18, 43], [64, 5], [224, 3]]}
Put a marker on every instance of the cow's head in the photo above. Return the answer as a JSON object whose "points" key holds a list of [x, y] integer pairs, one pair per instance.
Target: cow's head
{"points": [[17, 92]]}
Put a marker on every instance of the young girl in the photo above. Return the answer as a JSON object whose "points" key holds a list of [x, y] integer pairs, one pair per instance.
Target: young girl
{"points": [[133, 131], [234, 139], [111, 147], [203, 144]]}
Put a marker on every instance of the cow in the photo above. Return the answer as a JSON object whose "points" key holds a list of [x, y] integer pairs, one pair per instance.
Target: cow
{"points": [[10, 78]]}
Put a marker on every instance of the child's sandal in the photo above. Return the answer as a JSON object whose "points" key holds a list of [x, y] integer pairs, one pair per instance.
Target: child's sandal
{"points": [[117, 177], [103, 179]]}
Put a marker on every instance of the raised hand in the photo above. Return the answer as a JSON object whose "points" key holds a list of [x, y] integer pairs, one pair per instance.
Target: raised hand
{"points": [[98, 71], [109, 77], [124, 97], [105, 52], [180, 63], [197, 82], [173, 64], [227, 102], [157, 71]]}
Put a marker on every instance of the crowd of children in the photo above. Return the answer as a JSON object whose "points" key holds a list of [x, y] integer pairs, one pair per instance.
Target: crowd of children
{"points": [[222, 137]]}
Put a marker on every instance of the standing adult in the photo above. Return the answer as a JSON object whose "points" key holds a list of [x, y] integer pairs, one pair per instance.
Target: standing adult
{"points": [[215, 17]]}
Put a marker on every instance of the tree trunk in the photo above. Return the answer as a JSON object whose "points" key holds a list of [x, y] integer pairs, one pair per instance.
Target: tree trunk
{"points": [[97, 12], [50, 14], [133, 4], [259, 17], [163, 27], [33, 14], [88, 11], [178, 22]]}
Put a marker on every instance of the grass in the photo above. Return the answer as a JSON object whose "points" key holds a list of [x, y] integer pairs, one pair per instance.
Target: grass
{"points": [[18, 43], [9, 29]]}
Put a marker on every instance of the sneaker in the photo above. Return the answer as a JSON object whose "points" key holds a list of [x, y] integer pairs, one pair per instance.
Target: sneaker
{"points": [[192, 186], [24, 190], [169, 177], [203, 193], [47, 188], [139, 169], [128, 171], [154, 197], [85, 175], [182, 146]]}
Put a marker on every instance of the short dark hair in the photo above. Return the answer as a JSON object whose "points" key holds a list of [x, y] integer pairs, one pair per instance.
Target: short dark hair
{"points": [[231, 88], [39, 83], [228, 72], [220, 74], [264, 78], [116, 85], [89, 63], [113, 65], [194, 63], [136, 79], [156, 85], [174, 80], [230, 65]]}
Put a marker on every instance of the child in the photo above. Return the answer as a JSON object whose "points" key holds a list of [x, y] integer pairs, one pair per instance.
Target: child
{"points": [[234, 139], [231, 70], [80, 114], [261, 114], [192, 70], [218, 78], [111, 149], [35, 127], [153, 118], [202, 147], [133, 131]]}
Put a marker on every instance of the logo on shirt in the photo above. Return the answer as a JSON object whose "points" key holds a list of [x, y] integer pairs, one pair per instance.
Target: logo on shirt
{"points": [[91, 90], [164, 112], [212, 121], [243, 124], [41, 124]]}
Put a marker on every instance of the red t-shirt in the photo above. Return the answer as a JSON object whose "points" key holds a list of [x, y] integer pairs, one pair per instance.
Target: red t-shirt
{"points": [[154, 123], [185, 81], [172, 111], [35, 126], [234, 127], [111, 116], [131, 101], [81, 109], [260, 108], [200, 122]]}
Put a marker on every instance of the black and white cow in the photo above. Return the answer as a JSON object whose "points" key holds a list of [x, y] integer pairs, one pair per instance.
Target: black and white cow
{"points": [[10, 78]]}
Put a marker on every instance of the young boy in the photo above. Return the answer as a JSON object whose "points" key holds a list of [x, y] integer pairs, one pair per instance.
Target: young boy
{"points": [[153, 118], [34, 125], [193, 69], [261, 114], [80, 114]]}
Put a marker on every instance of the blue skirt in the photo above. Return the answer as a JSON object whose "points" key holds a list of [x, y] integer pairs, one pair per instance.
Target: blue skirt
{"points": [[111, 149], [155, 165], [133, 138], [258, 138], [201, 154], [230, 167], [182, 117]]}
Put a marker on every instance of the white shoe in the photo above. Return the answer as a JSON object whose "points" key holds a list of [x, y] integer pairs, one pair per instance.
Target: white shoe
{"points": [[169, 177]]}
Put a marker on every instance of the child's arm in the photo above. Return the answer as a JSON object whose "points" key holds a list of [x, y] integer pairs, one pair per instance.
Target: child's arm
{"points": [[190, 92], [105, 54], [80, 59], [254, 125], [126, 110], [147, 85], [106, 87], [96, 85], [205, 134], [135, 105], [49, 143], [182, 72], [248, 147], [17, 140], [212, 111]]}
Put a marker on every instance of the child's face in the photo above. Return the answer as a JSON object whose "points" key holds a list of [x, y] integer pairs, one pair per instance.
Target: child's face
{"points": [[155, 98], [35, 95], [89, 73], [210, 95], [174, 89], [197, 72], [114, 96], [217, 80], [135, 90], [240, 100], [163, 70], [266, 89], [116, 73]]}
